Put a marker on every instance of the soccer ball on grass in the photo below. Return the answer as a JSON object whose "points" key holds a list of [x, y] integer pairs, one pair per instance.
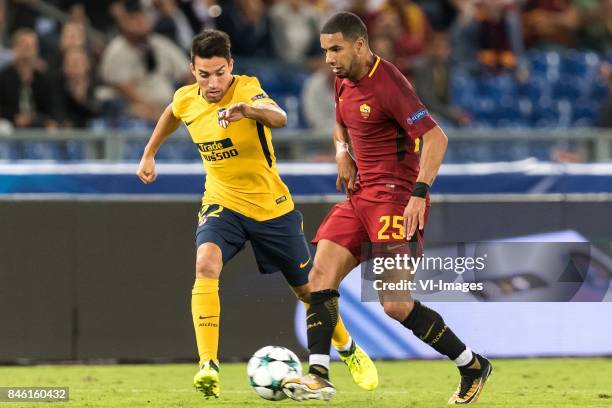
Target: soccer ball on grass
{"points": [[267, 369]]}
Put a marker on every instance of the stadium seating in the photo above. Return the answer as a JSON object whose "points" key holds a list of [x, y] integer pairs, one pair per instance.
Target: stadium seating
{"points": [[7, 151], [563, 90], [283, 83], [42, 150]]}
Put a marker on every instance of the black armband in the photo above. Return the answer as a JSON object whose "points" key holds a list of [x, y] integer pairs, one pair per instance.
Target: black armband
{"points": [[420, 189]]}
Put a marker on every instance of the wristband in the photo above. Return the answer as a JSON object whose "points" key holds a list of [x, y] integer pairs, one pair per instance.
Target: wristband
{"points": [[420, 189]]}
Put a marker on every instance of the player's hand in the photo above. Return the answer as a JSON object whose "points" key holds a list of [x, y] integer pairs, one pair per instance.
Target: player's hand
{"points": [[146, 170], [414, 216], [347, 172], [233, 113]]}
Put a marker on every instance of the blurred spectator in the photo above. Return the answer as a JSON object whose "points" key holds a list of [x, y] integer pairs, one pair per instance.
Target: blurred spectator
{"points": [[27, 98], [462, 37], [440, 13], [72, 35], [77, 90], [318, 100], [605, 117], [143, 67], [596, 24], [201, 13], [411, 26], [76, 10], [500, 40], [550, 23], [19, 15], [488, 33], [366, 11], [295, 31], [5, 53], [90, 19], [383, 46], [171, 22], [96, 13], [431, 78], [248, 25]]}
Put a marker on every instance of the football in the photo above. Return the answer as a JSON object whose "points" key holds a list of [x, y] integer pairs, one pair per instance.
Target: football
{"points": [[267, 369]]}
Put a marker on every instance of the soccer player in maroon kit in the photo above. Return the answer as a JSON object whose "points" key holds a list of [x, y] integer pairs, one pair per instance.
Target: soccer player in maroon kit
{"points": [[381, 118]]}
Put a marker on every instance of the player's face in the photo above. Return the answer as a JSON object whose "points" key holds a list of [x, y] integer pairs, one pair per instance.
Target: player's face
{"points": [[340, 54], [213, 75]]}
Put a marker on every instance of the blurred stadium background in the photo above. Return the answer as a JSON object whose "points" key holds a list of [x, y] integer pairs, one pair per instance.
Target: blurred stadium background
{"points": [[95, 266]]}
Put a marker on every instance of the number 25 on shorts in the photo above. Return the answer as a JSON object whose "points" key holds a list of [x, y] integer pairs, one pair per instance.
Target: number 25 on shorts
{"points": [[393, 225]]}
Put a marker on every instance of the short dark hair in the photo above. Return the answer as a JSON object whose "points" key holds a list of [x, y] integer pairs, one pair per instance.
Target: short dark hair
{"points": [[211, 43], [349, 24], [132, 6]]}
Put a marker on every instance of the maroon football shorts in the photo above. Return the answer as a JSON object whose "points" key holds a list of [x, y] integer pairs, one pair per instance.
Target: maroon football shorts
{"points": [[370, 215]]}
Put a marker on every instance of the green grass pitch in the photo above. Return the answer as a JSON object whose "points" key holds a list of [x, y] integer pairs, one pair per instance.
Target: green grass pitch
{"points": [[514, 383]]}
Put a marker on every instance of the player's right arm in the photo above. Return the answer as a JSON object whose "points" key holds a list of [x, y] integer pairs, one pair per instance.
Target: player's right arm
{"points": [[347, 169], [166, 125]]}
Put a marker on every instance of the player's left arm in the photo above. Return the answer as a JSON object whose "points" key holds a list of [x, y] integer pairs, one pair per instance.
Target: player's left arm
{"points": [[266, 113], [432, 154]]}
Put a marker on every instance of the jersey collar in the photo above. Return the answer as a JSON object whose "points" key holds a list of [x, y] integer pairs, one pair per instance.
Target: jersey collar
{"points": [[374, 67]]}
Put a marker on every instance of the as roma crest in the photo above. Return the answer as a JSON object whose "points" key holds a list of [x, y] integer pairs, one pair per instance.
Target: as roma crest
{"points": [[365, 110]]}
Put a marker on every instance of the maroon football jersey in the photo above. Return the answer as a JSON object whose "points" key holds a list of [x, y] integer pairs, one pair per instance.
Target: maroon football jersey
{"points": [[385, 121]]}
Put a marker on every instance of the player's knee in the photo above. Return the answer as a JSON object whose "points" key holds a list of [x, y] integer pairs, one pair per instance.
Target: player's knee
{"points": [[206, 267], [398, 310]]}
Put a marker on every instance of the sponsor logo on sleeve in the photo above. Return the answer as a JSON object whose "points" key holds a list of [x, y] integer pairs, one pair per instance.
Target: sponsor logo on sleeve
{"points": [[417, 116], [259, 96]]}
